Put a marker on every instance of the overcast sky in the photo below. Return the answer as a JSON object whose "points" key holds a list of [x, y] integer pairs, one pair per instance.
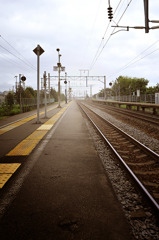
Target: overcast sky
{"points": [[80, 28]]}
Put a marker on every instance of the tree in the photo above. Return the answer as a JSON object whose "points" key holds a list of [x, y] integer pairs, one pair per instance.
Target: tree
{"points": [[10, 99], [17, 94], [153, 90], [54, 95], [29, 92], [127, 85]]}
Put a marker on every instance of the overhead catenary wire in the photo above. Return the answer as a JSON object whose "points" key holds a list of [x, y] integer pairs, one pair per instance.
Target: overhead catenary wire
{"points": [[11, 61], [25, 61], [98, 53], [133, 61], [104, 35]]}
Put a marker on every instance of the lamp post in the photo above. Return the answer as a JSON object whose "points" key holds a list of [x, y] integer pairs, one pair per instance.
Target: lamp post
{"points": [[59, 68], [65, 87]]}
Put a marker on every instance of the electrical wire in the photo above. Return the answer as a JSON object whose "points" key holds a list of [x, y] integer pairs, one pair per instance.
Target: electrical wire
{"points": [[26, 62], [133, 62], [8, 59], [99, 53], [104, 36]]}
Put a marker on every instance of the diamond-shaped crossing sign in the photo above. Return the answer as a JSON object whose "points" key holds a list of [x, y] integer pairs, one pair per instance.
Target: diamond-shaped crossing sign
{"points": [[38, 50]]}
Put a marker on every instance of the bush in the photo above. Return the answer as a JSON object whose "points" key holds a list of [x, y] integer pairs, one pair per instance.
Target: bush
{"points": [[5, 110], [14, 111], [1, 112]]}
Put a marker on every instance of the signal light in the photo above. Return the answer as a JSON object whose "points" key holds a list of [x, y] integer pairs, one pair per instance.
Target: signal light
{"points": [[110, 13], [23, 78]]}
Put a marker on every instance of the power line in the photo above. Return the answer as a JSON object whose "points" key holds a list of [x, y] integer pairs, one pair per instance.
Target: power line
{"points": [[99, 53], [6, 58], [133, 62], [26, 62], [103, 35]]}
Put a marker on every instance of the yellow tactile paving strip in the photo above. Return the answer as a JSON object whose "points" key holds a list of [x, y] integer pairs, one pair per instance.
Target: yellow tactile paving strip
{"points": [[9, 167], [25, 147], [20, 122], [6, 171]]}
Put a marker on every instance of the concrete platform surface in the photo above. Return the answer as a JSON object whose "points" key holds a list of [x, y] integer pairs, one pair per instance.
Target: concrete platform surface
{"points": [[67, 194]]}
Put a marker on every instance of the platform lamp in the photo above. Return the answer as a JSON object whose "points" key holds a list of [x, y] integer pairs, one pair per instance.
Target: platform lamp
{"points": [[59, 67]]}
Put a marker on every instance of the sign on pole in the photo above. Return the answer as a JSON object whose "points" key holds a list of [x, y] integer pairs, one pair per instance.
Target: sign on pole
{"points": [[62, 69], [55, 68], [38, 51]]}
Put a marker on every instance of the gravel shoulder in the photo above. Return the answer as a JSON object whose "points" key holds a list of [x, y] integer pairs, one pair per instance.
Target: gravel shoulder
{"points": [[141, 217]]}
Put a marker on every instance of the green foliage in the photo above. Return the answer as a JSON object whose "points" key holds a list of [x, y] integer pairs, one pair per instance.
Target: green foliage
{"points": [[9, 99], [153, 90], [19, 91], [53, 94], [14, 111], [127, 85], [29, 93], [9, 108], [6, 111]]}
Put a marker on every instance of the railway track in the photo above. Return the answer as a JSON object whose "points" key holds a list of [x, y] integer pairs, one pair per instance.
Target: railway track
{"points": [[140, 161], [130, 113]]}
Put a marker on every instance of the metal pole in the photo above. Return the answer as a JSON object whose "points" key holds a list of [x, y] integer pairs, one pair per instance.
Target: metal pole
{"points": [[105, 87], [45, 94], [119, 91], [69, 91], [146, 10], [16, 84], [38, 51], [59, 92], [38, 74], [66, 88], [20, 91], [49, 85]]}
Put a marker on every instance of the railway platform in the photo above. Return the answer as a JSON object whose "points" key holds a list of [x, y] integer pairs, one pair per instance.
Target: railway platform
{"points": [[129, 105], [66, 194]]}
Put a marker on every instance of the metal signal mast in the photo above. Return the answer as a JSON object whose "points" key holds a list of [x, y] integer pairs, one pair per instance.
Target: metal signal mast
{"points": [[147, 21]]}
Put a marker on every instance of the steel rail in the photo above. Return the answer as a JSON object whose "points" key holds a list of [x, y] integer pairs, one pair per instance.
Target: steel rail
{"points": [[149, 119], [121, 159], [142, 146]]}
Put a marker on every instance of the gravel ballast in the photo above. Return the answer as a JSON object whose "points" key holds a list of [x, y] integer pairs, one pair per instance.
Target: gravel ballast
{"points": [[140, 216]]}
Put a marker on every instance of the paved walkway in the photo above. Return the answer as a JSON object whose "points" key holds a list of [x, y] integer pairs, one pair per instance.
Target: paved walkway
{"points": [[66, 194]]}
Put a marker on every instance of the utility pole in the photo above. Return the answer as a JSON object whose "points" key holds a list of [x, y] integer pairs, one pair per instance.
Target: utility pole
{"points": [[20, 90], [44, 77], [146, 10], [59, 87], [65, 87], [16, 84], [49, 85], [105, 87], [69, 91], [59, 68], [147, 21]]}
